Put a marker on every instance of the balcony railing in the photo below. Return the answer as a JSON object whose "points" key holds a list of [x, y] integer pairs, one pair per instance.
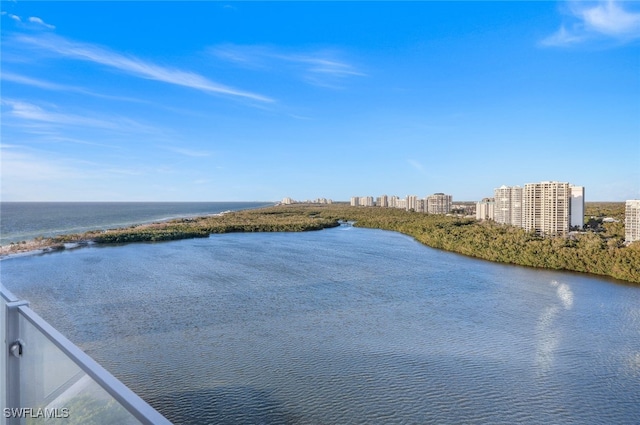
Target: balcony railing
{"points": [[46, 379]]}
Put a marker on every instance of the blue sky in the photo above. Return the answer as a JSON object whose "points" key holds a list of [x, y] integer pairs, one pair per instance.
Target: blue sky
{"points": [[223, 101]]}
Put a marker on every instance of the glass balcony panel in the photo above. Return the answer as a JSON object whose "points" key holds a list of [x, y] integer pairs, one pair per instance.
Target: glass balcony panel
{"points": [[54, 389]]}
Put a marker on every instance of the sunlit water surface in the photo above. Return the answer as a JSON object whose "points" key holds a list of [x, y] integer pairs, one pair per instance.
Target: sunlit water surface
{"points": [[344, 325]]}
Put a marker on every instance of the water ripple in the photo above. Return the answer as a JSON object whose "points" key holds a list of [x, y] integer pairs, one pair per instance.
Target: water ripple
{"points": [[332, 327]]}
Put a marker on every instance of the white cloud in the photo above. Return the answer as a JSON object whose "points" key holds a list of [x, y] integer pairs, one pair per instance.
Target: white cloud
{"points": [[21, 79], [322, 67], [31, 112], [31, 19], [133, 65], [610, 19], [562, 38], [38, 118], [35, 83], [46, 85], [603, 20], [36, 20]]}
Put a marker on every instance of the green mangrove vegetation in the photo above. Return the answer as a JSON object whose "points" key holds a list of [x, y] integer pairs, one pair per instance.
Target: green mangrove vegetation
{"points": [[589, 252], [259, 220], [601, 253]]}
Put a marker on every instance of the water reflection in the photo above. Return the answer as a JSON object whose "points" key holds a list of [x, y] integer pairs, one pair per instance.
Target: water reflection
{"points": [[547, 333], [633, 362], [564, 294]]}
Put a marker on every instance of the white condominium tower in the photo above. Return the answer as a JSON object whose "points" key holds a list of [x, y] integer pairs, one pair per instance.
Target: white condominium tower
{"points": [[393, 201], [548, 207], [632, 221], [508, 205], [366, 201], [439, 203], [411, 202], [485, 209], [362, 201]]}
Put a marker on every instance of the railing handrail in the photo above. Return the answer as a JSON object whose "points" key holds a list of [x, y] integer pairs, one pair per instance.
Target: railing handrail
{"points": [[6, 294], [132, 402]]}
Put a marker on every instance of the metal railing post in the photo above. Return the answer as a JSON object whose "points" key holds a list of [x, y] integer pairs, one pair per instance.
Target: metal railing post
{"points": [[13, 352]]}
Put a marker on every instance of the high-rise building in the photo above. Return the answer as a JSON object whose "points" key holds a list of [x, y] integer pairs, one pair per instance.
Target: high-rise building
{"points": [[547, 208], [366, 201], [411, 202], [577, 207], [632, 221], [383, 201], [485, 209], [508, 206], [439, 203], [355, 201]]}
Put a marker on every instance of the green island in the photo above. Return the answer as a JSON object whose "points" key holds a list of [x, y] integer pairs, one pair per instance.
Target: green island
{"points": [[601, 253]]}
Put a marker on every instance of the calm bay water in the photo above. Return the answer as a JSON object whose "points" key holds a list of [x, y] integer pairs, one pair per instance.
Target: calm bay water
{"points": [[343, 325], [28, 220]]}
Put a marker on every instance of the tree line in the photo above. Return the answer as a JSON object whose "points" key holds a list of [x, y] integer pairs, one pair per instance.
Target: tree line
{"points": [[589, 252], [598, 253]]}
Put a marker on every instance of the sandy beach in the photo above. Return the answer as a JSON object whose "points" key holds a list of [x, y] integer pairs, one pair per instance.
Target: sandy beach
{"points": [[36, 245]]}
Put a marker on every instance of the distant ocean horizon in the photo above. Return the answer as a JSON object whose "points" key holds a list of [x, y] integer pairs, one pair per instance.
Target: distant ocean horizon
{"points": [[23, 221]]}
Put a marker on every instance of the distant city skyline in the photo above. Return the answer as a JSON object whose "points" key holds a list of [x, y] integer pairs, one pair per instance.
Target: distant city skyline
{"points": [[243, 101], [547, 207]]}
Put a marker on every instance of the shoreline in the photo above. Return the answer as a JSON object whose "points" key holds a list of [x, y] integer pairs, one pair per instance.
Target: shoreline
{"points": [[589, 253], [30, 221], [176, 228]]}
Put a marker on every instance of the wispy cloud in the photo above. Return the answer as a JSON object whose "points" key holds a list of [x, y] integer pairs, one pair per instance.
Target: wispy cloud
{"points": [[20, 79], [132, 65], [602, 20], [563, 37], [39, 21], [31, 112], [49, 117], [32, 19], [321, 67], [47, 85]]}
